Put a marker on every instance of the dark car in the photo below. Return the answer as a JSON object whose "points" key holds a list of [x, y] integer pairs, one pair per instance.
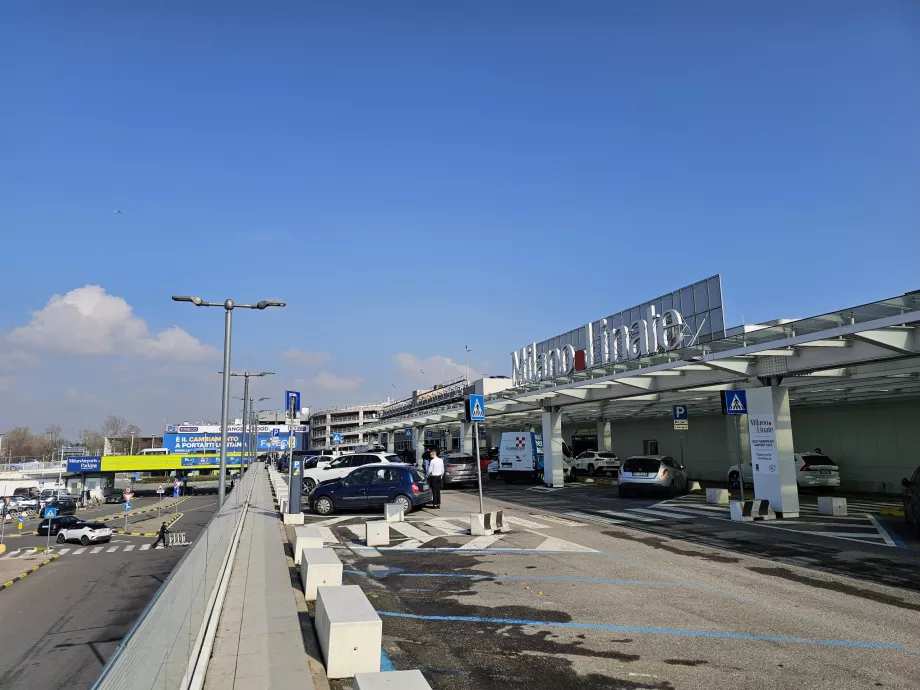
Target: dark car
{"points": [[372, 486], [460, 468], [911, 498], [66, 522], [63, 506]]}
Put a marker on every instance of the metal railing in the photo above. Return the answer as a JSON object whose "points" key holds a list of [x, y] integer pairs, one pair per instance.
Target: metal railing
{"points": [[161, 650]]}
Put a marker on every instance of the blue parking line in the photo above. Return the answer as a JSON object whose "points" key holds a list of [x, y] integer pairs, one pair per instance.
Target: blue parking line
{"points": [[386, 664], [654, 631]]}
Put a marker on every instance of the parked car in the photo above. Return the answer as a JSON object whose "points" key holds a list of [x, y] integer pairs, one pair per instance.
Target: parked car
{"points": [[493, 468], [20, 503], [372, 486], [85, 533], [592, 462], [459, 468], [63, 506], [652, 474], [56, 524], [814, 469], [341, 466], [51, 494], [911, 499]]}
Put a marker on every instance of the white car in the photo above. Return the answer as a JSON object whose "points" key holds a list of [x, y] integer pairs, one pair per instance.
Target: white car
{"points": [[341, 466], [813, 469], [593, 462], [493, 468], [85, 533]]}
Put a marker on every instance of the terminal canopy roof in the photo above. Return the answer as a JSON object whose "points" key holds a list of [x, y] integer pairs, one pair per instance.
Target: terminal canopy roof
{"points": [[865, 353]]}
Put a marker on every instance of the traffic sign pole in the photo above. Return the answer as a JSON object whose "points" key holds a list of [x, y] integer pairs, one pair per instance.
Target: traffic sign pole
{"points": [[478, 464]]}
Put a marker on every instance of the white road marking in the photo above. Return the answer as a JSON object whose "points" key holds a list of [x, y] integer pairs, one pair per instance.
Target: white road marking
{"points": [[328, 536], [481, 542], [62, 551], [96, 549], [661, 514], [144, 547], [408, 530], [554, 544], [628, 516], [524, 523], [882, 531], [558, 520], [447, 526], [594, 518], [111, 549], [332, 521], [129, 548], [78, 552], [358, 531], [408, 544]]}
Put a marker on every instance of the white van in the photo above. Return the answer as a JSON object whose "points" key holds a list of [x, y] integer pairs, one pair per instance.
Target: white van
{"points": [[520, 456], [154, 451]]}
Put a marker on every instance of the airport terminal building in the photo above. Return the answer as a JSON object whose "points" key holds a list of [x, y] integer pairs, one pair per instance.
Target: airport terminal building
{"points": [[846, 382]]}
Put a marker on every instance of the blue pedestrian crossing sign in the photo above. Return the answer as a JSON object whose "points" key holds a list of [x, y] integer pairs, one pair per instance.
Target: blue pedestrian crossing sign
{"points": [[734, 402], [408, 431], [127, 505], [336, 439], [50, 512], [475, 408]]}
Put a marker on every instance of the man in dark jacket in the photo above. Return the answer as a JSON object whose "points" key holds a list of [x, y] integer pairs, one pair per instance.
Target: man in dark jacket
{"points": [[162, 536]]}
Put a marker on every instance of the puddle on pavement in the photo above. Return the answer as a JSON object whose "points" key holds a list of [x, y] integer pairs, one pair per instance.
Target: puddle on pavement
{"points": [[872, 595], [685, 662], [661, 543]]}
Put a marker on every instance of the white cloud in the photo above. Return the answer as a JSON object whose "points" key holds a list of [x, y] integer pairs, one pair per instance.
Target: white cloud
{"points": [[89, 321], [307, 358], [332, 382], [437, 368]]}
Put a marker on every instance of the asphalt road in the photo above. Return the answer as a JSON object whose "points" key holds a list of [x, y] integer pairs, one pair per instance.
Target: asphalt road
{"points": [[60, 624], [562, 602]]}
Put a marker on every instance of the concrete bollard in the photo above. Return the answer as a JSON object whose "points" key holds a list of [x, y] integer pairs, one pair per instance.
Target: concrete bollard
{"points": [[694, 487], [748, 511], [377, 533], [830, 505], [319, 568], [349, 630], [308, 537], [393, 512], [293, 518], [282, 505], [486, 524], [391, 680], [717, 496]]}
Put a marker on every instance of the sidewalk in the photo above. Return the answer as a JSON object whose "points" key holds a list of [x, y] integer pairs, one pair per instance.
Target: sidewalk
{"points": [[260, 638]]}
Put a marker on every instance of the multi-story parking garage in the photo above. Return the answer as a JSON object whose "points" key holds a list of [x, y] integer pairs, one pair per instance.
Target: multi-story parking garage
{"points": [[847, 382]]}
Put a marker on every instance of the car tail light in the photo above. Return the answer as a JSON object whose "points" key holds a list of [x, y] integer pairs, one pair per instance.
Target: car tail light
{"points": [[451, 466], [805, 468], [415, 488], [664, 473]]}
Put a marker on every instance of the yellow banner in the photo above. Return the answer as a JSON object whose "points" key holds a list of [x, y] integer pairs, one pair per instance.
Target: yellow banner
{"points": [[147, 463]]}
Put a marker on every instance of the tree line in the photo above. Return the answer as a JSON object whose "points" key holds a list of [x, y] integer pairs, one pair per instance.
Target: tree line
{"points": [[20, 442]]}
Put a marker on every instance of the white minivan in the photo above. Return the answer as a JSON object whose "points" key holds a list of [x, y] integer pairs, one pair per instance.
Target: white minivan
{"points": [[520, 456], [154, 451]]}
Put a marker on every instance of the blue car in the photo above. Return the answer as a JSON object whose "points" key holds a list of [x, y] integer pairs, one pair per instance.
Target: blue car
{"points": [[370, 487]]}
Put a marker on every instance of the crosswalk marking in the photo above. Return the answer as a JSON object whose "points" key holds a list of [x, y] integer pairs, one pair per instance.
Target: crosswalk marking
{"points": [[481, 542], [144, 547], [446, 526], [96, 549], [558, 520], [662, 513], [407, 530], [78, 552], [408, 544], [111, 549], [129, 548], [628, 516], [357, 530], [62, 551], [594, 518], [525, 523]]}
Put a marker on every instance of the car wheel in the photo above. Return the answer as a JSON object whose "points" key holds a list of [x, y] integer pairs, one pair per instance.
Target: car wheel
{"points": [[84, 540], [404, 503], [324, 506], [60, 539], [309, 485], [733, 480]]}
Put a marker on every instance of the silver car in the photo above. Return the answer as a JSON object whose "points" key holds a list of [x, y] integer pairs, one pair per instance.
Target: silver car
{"points": [[460, 469], [652, 474]]}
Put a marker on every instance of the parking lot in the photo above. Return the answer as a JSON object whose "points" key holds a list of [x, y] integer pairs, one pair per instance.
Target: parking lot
{"points": [[62, 622], [623, 601]]}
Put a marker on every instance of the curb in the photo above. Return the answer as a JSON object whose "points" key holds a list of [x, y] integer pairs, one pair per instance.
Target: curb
{"points": [[110, 518], [169, 522], [21, 576]]}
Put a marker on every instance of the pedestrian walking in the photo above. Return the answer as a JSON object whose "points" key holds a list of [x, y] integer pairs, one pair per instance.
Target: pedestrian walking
{"points": [[161, 536], [435, 474]]}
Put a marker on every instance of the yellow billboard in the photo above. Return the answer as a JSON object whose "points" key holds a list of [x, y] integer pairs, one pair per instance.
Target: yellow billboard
{"points": [[148, 463]]}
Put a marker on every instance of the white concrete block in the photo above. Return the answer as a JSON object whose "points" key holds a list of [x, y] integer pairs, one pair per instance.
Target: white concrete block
{"points": [[694, 486], [377, 533], [393, 512], [293, 518], [749, 511], [319, 568], [308, 537], [478, 525], [349, 630], [831, 505], [282, 505], [392, 680], [717, 496]]}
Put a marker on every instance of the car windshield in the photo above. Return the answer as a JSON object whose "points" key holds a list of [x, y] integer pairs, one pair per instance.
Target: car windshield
{"points": [[338, 463], [393, 458], [609, 456], [642, 465], [815, 459], [416, 476]]}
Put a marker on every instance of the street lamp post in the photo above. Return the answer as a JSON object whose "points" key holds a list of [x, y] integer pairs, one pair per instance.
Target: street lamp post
{"points": [[246, 376], [468, 351], [228, 305]]}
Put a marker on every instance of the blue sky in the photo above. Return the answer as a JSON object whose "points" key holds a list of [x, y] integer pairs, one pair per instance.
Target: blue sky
{"points": [[413, 177]]}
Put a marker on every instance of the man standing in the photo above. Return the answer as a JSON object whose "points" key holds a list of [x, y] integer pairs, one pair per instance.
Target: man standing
{"points": [[435, 474], [161, 536]]}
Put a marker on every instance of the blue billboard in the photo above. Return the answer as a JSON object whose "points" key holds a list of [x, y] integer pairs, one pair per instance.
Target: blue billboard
{"points": [[85, 463], [208, 442]]}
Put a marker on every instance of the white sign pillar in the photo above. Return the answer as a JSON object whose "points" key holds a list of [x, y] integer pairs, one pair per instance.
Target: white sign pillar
{"points": [[769, 427], [466, 437], [605, 436], [553, 470], [418, 437], [389, 441]]}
